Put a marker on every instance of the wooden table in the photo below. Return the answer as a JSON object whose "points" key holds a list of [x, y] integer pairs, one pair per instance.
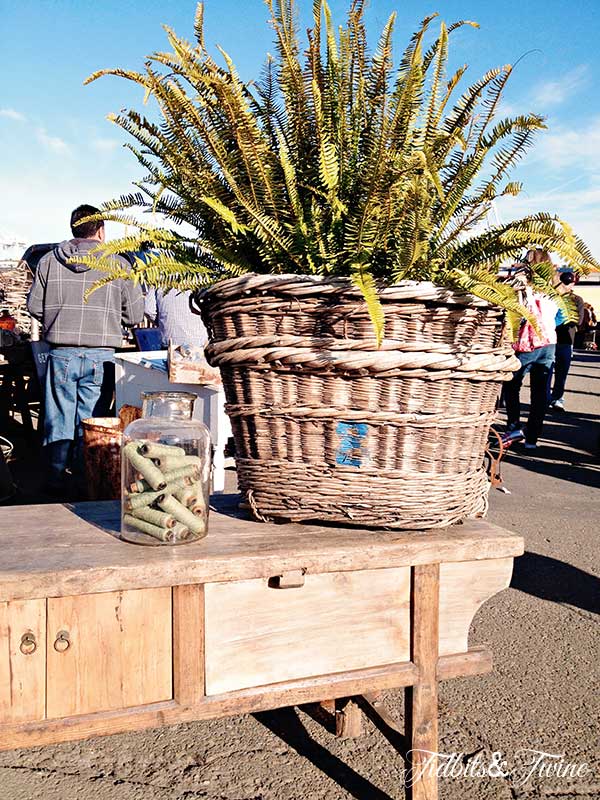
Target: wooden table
{"points": [[99, 636]]}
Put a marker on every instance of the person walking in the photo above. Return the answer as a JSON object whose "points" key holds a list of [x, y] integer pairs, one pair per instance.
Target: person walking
{"points": [[535, 350], [82, 337], [565, 338]]}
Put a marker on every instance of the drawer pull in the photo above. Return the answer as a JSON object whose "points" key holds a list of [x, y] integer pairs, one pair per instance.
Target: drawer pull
{"points": [[28, 644], [62, 641], [287, 580]]}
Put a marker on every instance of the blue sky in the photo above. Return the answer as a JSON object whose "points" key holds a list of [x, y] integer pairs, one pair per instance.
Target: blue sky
{"points": [[57, 149]]}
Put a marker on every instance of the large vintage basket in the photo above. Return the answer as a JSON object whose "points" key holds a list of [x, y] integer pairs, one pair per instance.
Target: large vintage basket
{"points": [[329, 427]]}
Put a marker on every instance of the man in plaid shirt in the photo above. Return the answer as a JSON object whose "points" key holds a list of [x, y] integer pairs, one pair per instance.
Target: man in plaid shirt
{"points": [[82, 337]]}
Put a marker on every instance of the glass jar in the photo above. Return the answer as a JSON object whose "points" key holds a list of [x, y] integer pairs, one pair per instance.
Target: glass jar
{"points": [[165, 472]]}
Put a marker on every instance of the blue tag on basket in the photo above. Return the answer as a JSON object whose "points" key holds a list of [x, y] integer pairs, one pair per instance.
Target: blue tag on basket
{"points": [[352, 450]]}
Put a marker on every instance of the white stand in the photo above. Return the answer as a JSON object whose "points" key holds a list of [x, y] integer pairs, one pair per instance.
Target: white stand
{"points": [[132, 378]]}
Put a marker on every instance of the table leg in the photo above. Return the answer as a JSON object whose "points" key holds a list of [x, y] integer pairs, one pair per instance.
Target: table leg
{"points": [[348, 719], [421, 700]]}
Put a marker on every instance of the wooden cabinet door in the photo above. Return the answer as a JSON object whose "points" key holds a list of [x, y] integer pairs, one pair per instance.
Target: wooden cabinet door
{"points": [[108, 651], [22, 660]]}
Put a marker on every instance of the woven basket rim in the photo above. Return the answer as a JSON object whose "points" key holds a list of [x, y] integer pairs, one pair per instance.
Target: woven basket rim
{"points": [[314, 285]]}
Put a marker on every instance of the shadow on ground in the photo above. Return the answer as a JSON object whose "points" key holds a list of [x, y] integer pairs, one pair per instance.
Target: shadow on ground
{"points": [[550, 579], [569, 448], [582, 473], [286, 724]]}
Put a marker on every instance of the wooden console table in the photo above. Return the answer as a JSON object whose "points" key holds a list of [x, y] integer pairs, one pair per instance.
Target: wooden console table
{"points": [[99, 636]]}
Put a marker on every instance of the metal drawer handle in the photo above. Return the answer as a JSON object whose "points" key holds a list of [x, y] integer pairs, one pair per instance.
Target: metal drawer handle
{"points": [[62, 641], [293, 579], [28, 644]]}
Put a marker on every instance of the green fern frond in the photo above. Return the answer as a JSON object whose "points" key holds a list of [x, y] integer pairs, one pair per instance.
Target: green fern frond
{"points": [[331, 164], [114, 272], [225, 213], [440, 56], [361, 277]]}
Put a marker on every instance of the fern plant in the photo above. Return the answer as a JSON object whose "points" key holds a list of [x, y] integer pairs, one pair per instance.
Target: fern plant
{"points": [[334, 163]]}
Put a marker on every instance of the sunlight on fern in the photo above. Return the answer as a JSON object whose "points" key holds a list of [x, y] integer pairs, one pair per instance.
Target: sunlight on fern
{"points": [[332, 164]]}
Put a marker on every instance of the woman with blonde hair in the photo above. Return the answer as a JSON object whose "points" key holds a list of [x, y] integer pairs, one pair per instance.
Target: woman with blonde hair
{"points": [[535, 349]]}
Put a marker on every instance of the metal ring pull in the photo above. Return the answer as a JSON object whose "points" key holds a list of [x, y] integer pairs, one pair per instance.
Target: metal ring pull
{"points": [[62, 641], [28, 644]]}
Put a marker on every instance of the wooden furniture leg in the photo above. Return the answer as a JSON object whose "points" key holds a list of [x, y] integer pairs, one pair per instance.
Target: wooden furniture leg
{"points": [[375, 710], [188, 644], [421, 699], [378, 707], [348, 719]]}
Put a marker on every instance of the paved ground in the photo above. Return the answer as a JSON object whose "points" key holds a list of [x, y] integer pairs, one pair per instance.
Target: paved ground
{"points": [[543, 694]]}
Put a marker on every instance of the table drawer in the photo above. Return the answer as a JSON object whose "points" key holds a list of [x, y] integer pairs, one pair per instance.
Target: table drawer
{"points": [[257, 635]]}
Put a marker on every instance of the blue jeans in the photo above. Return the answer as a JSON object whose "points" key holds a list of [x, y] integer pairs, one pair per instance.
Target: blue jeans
{"points": [[562, 365], [538, 363], [79, 384]]}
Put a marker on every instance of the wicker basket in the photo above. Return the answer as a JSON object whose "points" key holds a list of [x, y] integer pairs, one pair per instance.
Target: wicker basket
{"points": [[329, 427]]}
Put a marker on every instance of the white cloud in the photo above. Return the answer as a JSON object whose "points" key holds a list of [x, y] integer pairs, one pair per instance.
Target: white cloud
{"points": [[553, 93], [567, 178], [580, 208], [563, 174], [104, 145], [555, 201], [54, 143], [10, 113], [562, 148], [507, 110]]}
